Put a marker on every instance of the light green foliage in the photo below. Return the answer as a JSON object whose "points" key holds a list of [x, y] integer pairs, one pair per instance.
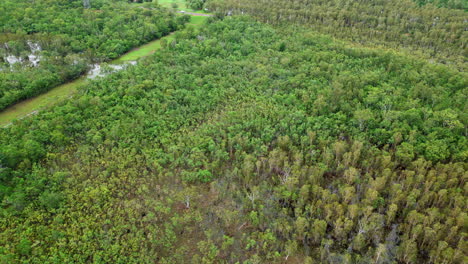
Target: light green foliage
{"points": [[195, 4], [405, 25], [241, 143], [456, 4], [70, 39]]}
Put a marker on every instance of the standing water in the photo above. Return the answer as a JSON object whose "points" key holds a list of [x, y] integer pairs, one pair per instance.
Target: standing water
{"points": [[99, 71]]}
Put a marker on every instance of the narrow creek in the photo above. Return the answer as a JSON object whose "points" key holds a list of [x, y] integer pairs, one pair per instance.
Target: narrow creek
{"points": [[34, 105]]}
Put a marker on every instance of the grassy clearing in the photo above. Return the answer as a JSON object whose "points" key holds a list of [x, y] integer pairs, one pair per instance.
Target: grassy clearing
{"points": [[197, 20], [181, 5], [151, 47], [28, 106], [64, 91], [142, 51]]}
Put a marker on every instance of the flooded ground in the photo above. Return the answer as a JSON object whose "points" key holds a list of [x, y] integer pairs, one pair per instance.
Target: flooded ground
{"points": [[31, 59], [63, 92], [99, 70]]}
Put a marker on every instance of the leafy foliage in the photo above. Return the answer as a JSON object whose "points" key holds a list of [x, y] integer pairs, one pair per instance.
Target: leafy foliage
{"points": [[456, 4], [241, 142], [428, 31], [196, 4], [69, 38]]}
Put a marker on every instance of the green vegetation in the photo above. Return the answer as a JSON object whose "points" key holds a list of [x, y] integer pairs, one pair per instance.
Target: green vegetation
{"points": [[30, 106], [430, 32], [241, 141], [150, 48], [64, 91], [45, 43], [144, 50], [184, 5], [196, 4], [456, 4]]}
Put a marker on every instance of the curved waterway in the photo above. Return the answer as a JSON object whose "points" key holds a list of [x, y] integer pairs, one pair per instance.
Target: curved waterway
{"points": [[33, 105]]}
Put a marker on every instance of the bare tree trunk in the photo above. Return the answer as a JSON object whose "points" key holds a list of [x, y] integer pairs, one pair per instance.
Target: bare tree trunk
{"points": [[86, 4]]}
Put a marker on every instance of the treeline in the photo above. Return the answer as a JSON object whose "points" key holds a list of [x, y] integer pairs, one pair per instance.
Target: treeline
{"points": [[196, 4], [434, 32], [242, 143], [68, 38]]}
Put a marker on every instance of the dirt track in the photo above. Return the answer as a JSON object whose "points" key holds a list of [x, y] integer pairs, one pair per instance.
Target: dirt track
{"points": [[195, 14]]}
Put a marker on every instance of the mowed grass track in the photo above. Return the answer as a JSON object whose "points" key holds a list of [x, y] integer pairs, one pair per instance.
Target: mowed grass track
{"points": [[64, 91], [181, 5]]}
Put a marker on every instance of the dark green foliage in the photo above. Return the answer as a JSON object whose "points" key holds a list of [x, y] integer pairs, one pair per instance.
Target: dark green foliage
{"points": [[24, 247], [456, 4], [50, 200], [427, 31], [244, 143], [71, 38], [196, 4]]}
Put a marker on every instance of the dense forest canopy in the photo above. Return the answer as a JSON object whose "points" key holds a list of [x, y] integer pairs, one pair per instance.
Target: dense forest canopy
{"points": [[44, 43], [456, 4], [313, 138], [438, 33], [278, 144]]}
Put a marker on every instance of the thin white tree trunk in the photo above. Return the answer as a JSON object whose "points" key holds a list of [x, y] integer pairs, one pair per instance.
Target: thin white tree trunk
{"points": [[86, 4]]}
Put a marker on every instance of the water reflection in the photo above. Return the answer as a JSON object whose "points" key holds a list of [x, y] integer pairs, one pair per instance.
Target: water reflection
{"points": [[32, 58], [99, 70]]}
